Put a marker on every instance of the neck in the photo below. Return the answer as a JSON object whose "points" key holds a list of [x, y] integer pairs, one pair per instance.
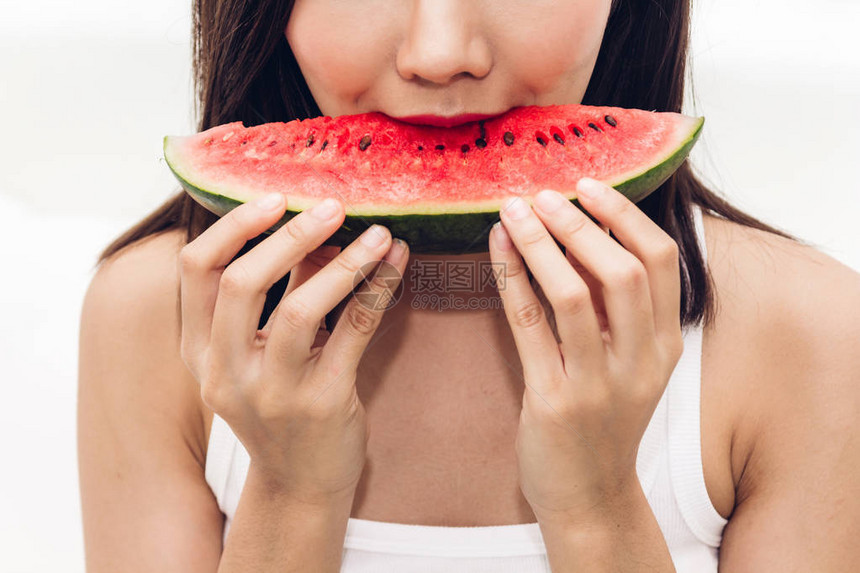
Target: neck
{"points": [[448, 322], [442, 385]]}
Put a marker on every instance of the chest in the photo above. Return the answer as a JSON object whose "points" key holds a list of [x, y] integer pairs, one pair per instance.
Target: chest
{"points": [[450, 466], [441, 448]]}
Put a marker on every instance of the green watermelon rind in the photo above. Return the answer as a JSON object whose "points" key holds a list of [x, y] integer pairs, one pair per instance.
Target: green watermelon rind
{"points": [[640, 186], [446, 233]]}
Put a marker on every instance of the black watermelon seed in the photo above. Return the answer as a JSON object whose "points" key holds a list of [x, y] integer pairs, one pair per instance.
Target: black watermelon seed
{"points": [[509, 138], [594, 127], [610, 120], [440, 147], [558, 138], [420, 148], [541, 140], [464, 148], [244, 142], [577, 132], [325, 143], [480, 142], [364, 143], [275, 141]]}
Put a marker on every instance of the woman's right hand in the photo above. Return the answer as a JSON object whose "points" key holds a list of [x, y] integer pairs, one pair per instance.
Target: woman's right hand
{"points": [[293, 405]]}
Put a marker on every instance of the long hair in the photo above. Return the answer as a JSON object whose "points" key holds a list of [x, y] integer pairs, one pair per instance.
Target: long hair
{"points": [[244, 70]]}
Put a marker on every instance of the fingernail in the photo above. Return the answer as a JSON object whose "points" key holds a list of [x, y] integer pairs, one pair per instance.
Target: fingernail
{"points": [[396, 252], [501, 237], [590, 188], [549, 200], [373, 237], [270, 201], [516, 208], [325, 210]]}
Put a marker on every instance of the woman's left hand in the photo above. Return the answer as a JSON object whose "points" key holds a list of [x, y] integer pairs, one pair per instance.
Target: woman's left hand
{"points": [[589, 397]]}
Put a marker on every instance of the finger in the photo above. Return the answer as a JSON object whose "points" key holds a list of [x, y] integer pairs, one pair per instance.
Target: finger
{"points": [[299, 315], [565, 290], [305, 269], [596, 290], [311, 265], [202, 262], [622, 276], [308, 267], [650, 244], [536, 344], [245, 282], [363, 313]]}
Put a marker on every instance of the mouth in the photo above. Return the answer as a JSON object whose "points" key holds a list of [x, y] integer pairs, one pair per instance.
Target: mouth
{"points": [[445, 121]]}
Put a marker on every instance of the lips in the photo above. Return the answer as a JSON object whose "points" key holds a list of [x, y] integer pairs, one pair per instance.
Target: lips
{"points": [[443, 121]]}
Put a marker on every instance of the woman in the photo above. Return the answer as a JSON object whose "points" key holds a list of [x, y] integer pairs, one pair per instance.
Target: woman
{"points": [[681, 398]]}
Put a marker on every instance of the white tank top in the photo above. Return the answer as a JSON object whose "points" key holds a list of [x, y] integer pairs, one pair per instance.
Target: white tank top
{"points": [[669, 466]]}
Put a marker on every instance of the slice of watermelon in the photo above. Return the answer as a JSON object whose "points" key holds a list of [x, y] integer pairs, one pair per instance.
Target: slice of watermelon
{"points": [[440, 189]]}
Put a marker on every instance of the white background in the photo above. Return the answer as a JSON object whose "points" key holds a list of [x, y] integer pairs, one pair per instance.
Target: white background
{"points": [[88, 89]]}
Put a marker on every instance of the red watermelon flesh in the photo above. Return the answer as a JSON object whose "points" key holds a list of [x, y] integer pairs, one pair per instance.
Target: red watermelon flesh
{"points": [[381, 167]]}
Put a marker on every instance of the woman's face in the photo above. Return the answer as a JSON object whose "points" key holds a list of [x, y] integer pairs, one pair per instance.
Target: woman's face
{"points": [[445, 57]]}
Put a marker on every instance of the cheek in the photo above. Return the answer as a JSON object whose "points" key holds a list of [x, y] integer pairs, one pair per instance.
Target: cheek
{"points": [[338, 56], [557, 44]]}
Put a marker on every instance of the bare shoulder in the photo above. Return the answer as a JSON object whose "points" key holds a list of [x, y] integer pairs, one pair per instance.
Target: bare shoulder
{"points": [[144, 498], [160, 250], [787, 356], [794, 298], [134, 300], [740, 255]]}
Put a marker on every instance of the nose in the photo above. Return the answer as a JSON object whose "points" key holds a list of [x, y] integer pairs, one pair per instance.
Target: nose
{"points": [[444, 40]]}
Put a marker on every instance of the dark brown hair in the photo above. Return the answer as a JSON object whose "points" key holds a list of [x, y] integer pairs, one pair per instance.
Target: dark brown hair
{"points": [[244, 70]]}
